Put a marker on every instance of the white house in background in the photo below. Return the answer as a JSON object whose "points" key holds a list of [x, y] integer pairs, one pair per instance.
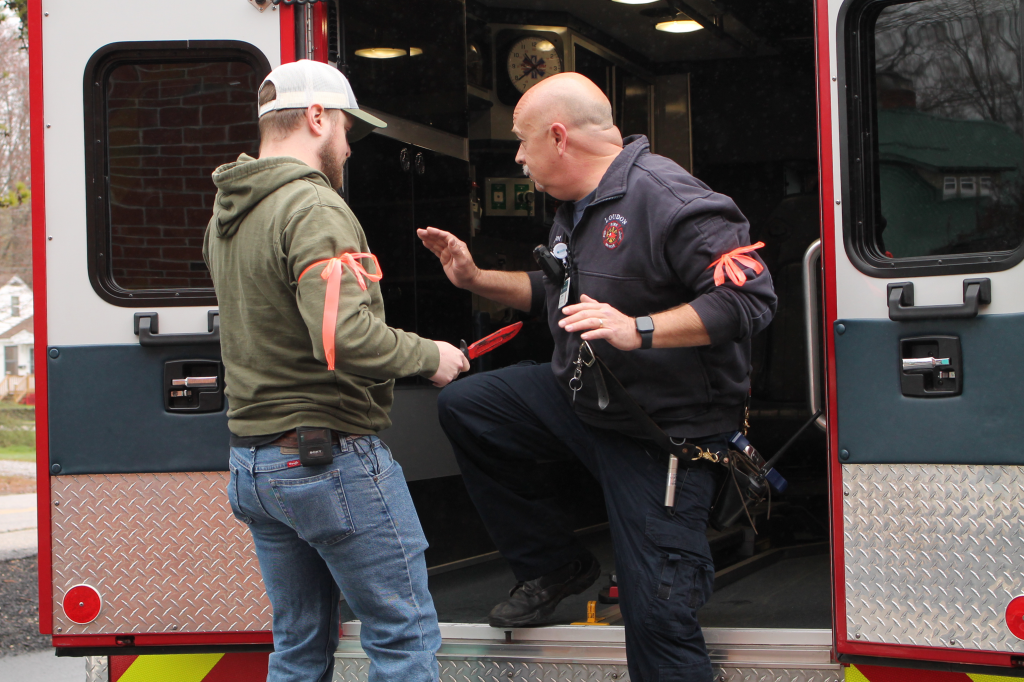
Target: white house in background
{"points": [[16, 335]]}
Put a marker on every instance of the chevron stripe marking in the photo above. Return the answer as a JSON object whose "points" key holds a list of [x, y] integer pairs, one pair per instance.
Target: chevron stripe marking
{"points": [[171, 668], [877, 673], [247, 667]]}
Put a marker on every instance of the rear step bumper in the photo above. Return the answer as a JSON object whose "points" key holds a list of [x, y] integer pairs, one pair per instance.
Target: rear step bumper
{"points": [[598, 653]]}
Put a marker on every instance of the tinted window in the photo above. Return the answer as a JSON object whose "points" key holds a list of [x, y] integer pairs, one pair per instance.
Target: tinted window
{"points": [[160, 117], [168, 127], [949, 122]]}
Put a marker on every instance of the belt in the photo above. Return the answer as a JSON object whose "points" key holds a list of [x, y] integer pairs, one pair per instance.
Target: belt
{"points": [[290, 439]]}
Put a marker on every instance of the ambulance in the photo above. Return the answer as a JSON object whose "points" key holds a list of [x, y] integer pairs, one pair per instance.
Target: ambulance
{"points": [[877, 149]]}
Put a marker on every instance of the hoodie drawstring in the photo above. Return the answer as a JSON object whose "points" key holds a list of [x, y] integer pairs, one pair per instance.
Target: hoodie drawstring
{"points": [[334, 268]]}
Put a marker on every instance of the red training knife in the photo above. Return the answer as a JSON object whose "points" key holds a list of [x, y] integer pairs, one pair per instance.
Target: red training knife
{"points": [[489, 343]]}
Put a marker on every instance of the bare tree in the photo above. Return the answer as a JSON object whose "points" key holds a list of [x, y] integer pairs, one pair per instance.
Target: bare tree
{"points": [[14, 111], [963, 57], [15, 212]]}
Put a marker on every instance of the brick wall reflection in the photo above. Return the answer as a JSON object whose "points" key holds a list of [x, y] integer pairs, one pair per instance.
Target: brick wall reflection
{"points": [[169, 127]]}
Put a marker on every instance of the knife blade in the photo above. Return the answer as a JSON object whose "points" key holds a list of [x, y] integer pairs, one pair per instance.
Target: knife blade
{"points": [[490, 342]]}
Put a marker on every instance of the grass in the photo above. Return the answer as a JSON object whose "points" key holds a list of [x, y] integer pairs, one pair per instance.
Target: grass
{"points": [[22, 453], [17, 435]]}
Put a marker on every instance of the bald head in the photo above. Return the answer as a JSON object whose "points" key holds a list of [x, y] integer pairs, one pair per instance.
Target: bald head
{"points": [[570, 99], [567, 136]]}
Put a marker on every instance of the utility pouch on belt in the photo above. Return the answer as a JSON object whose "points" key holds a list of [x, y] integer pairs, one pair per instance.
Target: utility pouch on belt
{"points": [[744, 485], [315, 446]]}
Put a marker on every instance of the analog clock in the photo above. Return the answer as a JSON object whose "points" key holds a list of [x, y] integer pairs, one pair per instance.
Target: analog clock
{"points": [[531, 60]]}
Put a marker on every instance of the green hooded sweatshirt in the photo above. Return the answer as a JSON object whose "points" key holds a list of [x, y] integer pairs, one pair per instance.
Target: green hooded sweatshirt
{"points": [[273, 218]]}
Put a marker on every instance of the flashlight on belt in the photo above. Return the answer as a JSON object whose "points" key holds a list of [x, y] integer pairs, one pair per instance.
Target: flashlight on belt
{"points": [[670, 484]]}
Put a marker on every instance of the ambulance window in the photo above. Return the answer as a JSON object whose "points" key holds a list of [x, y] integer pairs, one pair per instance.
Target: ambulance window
{"points": [[162, 121], [938, 112]]}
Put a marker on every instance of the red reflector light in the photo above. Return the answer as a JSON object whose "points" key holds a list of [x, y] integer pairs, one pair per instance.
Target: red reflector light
{"points": [[82, 604], [613, 592], [1015, 617]]}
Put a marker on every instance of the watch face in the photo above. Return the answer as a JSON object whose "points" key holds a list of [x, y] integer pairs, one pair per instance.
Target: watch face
{"points": [[644, 325], [531, 60]]}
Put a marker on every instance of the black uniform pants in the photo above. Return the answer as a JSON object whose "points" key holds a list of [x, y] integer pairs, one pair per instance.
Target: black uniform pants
{"points": [[500, 423]]}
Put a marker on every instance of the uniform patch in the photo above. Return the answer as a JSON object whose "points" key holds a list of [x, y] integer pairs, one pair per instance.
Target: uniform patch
{"points": [[614, 231]]}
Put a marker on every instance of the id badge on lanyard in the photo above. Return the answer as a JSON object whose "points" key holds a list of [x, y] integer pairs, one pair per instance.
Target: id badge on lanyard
{"points": [[562, 253], [563, 296]]}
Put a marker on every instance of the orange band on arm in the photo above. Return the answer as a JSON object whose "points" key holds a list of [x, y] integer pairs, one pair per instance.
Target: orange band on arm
{"points": [[334, 268], [727, 265]]}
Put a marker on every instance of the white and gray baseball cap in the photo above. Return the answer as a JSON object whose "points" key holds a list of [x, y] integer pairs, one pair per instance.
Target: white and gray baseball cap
{"points": [[304, 83]]}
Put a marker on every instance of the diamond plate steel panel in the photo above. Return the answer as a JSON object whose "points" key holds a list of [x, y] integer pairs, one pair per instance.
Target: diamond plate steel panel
{"points": [[779, 675], [356, 669], [96, 669], [164, 551], [933, 554]]}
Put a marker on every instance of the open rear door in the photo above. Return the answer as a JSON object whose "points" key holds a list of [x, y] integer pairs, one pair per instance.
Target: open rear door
{"points": [[133, 106], [922, 168]]}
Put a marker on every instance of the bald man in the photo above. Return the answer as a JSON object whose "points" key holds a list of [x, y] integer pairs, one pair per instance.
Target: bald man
{"points": [[635, 242]]}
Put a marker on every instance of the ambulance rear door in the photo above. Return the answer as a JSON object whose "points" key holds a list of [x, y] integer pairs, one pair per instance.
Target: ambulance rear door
{"points": [[133, 106], [922, 177]]}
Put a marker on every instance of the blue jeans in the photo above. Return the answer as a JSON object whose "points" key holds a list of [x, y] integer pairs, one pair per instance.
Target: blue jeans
{"points": [[349, 524]]}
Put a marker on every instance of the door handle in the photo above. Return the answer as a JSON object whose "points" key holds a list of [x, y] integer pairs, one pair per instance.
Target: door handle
{"points": [[195, 382], [977, 292], [812, 257], [924, 363], [147, 328]]}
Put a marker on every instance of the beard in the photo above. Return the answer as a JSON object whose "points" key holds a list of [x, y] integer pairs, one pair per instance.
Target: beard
{"points": [[331, 164], [526, 172]]}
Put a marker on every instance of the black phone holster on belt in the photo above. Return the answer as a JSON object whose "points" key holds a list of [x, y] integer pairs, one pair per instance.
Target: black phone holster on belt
{"points": [[316, 445]]}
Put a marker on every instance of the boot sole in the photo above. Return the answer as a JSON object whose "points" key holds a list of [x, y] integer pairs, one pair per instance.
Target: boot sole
{"points": [[542, 614]]}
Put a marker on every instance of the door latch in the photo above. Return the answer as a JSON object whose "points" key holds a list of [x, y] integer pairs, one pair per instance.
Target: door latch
{"points": [[924, 363], [930, 366], [195, 386]]}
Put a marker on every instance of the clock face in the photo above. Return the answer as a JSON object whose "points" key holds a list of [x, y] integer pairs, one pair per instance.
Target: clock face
{"points": [[531, 60]]}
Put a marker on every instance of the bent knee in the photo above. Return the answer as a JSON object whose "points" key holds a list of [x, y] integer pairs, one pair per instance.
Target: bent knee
{"points": [[456, 397]]}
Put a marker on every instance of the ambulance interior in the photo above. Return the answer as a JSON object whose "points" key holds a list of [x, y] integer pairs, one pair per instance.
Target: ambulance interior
{"points": [[733, 101]]}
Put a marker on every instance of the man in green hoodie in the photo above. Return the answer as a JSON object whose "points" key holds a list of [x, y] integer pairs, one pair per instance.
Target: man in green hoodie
{"points": [[305, 346]]}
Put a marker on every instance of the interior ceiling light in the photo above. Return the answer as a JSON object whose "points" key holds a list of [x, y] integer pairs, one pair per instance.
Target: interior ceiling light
{"points": [[381, 52], [413, 51], [678, 26], [635, 2]]}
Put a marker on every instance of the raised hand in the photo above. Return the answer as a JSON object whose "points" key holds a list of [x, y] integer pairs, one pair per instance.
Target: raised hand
{"points": [[454, 256]]}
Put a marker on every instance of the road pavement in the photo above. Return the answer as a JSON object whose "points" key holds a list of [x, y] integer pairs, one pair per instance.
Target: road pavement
{"points": [[42, 666], [17, 525]]}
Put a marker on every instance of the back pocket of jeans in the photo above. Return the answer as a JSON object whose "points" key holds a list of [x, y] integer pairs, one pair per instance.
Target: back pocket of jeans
{"points": [[315, 507]]}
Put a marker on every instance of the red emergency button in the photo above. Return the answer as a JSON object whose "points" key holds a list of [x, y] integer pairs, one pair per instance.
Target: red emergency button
{"points": [[1015, 617], [82, 604]]}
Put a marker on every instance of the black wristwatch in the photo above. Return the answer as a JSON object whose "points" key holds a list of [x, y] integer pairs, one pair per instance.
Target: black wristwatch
{"points": [[645, 325]]}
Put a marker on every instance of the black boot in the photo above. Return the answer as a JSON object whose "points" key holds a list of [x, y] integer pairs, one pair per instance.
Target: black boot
{"points": [[533, 602]]}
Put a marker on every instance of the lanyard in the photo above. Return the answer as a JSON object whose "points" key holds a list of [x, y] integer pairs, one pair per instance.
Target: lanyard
{"points": [[334, 268]]}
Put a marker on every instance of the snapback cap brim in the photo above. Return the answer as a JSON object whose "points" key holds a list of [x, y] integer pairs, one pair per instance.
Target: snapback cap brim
{"points": [[363, 123]]}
